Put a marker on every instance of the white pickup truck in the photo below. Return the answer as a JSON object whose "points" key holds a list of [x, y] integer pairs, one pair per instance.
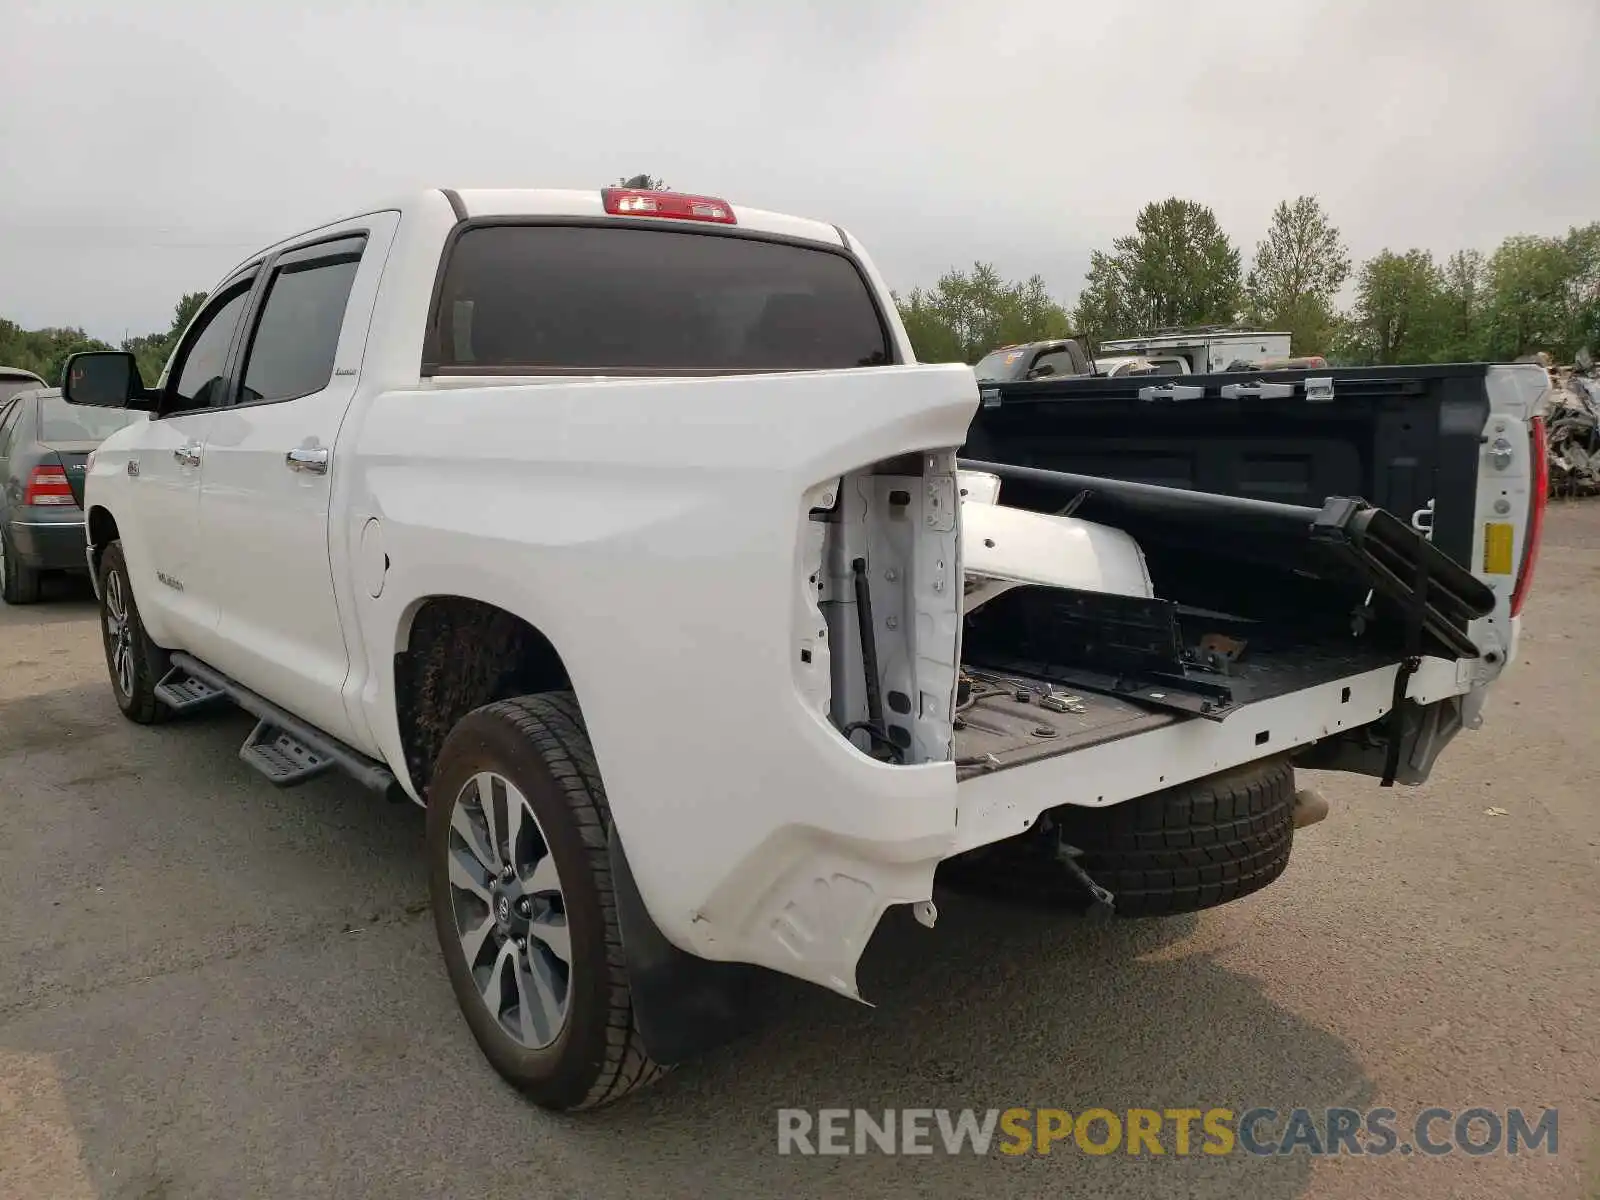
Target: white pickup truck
{"points": [[621, 530]]}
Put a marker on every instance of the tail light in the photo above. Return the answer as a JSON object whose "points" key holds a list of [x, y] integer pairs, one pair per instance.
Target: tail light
{"points": [[636, 202], [1539, 449], [48, 486]]}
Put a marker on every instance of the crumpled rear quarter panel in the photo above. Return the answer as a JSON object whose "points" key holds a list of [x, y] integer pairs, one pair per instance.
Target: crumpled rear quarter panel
{"points": [[651, 529]]}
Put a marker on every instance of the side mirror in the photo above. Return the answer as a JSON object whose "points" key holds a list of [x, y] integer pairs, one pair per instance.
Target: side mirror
{"points": [[104, 379]]}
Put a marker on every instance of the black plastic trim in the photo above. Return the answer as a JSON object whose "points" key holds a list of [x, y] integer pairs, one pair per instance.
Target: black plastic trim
{"points": [[431, 364], [1415, 429], [1127, 386], [456, 206], [683, 1005], [366, 771]]}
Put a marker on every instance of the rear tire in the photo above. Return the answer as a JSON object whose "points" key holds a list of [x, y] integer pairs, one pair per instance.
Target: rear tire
{"points": [[562, 1033], [1185, 848], [134, 662], [19, 582]]}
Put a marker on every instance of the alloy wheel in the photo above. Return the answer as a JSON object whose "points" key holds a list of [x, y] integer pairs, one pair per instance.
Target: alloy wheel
{"points": [[119, 632], [510, 911]]}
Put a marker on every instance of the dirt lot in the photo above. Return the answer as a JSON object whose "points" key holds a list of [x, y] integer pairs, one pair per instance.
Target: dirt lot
{"points": [[211, 988]]}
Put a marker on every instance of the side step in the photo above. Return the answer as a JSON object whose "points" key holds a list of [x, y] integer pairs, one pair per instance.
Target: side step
{"points": [[283, 758], [283, 747], [183, 692]]}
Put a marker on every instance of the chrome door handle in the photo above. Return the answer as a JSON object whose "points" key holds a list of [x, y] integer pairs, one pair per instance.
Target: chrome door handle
{"points": [[188, 456], [302, 458]]}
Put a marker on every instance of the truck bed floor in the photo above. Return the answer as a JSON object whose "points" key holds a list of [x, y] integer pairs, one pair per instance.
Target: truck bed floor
{"points": [[997, 730]]}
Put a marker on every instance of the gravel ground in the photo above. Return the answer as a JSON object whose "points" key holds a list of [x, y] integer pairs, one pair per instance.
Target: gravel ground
{"points": [[210, 988]]}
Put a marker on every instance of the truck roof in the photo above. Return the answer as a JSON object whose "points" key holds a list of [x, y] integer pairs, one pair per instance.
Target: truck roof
{"points": [[470, 203], [586, 202]]}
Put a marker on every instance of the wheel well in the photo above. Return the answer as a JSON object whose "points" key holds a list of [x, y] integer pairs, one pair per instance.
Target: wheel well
{"points": [[102, 527], [462, 654]]}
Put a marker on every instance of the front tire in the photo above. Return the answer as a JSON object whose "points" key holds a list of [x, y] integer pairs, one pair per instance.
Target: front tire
{"points": [[134, 662], [19, 583], [519, 877]]}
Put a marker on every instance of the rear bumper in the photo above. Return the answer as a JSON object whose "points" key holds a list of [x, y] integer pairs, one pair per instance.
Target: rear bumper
{"points": [[50, 543], [807, 900]]}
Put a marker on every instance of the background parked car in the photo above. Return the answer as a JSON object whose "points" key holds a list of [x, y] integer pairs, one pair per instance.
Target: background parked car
{"points": [[44, 444], [1033, 360], [14, 380]]}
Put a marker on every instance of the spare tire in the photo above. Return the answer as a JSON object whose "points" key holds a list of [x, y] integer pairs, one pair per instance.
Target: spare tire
{"points": [[1182, 849]]}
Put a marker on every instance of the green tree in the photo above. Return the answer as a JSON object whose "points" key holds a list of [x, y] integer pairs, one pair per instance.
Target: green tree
{"points": [[188, 304], [1462, 304], [967, 314], [151, 350], [1299, 267], [1529, 303], [1396, 317], [1176, 268], [43, 351], [1583, 288], [647, 183]]}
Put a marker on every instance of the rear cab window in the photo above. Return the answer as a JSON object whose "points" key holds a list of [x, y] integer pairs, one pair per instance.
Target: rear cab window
{"points": [[617, 300]]}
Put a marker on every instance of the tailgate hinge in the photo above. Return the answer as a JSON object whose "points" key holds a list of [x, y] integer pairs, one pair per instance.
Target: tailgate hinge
{"points": [[1319, 390], [1171, 391], [1258, 391]]}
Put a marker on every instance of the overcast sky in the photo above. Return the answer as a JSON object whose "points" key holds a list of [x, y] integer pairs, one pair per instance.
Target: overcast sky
{"points": [[150, 145]]}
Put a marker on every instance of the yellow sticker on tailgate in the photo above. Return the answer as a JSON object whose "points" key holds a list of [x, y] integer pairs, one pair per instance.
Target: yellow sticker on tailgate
{"points": [[1497, 541]]}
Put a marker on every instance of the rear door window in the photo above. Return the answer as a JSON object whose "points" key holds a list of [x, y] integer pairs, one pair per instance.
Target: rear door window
{"points": [[591, 299], [292, 349]]}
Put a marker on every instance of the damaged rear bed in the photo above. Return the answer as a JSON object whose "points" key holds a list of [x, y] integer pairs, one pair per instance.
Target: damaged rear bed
{"points": [[1219, 604]]}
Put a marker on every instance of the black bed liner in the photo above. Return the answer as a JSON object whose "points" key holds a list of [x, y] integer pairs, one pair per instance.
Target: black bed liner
{"points": [[1317, 525], [1345, 538], [1399, 437]]}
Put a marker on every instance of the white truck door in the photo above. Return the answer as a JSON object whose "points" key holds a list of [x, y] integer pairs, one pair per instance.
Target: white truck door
{"points": [[163, 476], [270, 469]]}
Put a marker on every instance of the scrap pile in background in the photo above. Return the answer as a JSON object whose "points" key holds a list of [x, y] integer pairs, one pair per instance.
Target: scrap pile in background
{"points": [[1572, 422]]}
